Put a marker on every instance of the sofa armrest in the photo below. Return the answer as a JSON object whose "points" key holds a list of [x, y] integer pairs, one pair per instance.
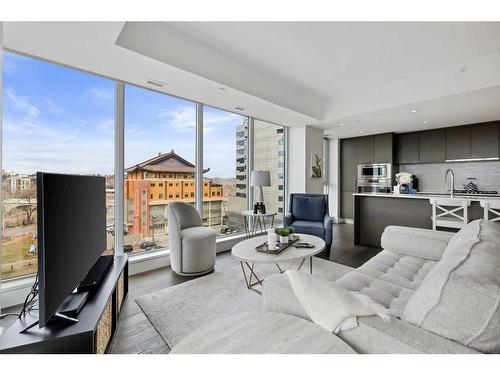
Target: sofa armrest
{"points": [[328, 224], [287, 219], [417, 242]]}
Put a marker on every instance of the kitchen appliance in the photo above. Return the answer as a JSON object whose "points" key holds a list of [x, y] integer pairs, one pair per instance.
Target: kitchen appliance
{"points": [[374, 178], [477, 192], [374, 171], [373, 185]]}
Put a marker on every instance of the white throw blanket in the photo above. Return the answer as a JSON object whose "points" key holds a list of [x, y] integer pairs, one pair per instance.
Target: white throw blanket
{"points": [[329, 306]]}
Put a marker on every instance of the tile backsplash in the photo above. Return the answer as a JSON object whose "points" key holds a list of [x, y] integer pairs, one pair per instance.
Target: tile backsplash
{"points": [[431, 176]]}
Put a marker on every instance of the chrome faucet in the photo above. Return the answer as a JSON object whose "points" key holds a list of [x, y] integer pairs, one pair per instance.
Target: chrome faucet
{"points": [[452, 187]]}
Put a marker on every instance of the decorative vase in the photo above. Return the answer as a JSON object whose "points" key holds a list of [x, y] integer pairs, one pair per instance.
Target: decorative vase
{"points": [[404, 189], [284, 239]]}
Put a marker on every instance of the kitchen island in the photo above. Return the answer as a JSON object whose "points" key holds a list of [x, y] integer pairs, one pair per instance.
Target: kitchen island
{"points": [[374, 212]]}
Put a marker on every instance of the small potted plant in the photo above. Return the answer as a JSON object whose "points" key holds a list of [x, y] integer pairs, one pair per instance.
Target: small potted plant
{"points": [[283, 233], [290, 233]]}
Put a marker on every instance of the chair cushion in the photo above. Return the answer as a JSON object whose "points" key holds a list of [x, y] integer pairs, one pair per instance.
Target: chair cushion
{"points": [[460, 298], [308, 208], [389, 279], [198, 249], [309, 227]]}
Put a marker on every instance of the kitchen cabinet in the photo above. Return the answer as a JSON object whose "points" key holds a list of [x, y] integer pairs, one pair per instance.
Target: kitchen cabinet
{"points": [[347, 205], [432, 146], [484, 141], [408, 148], [458, 143], [349, 164], [365, 150], [383, 148]]}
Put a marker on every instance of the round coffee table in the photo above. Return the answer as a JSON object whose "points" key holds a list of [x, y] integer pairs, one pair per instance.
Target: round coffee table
{"points": [[262, 333], [245, 252]]}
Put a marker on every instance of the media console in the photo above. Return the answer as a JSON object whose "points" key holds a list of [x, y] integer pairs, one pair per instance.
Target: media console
{"points": [[92, 334]]}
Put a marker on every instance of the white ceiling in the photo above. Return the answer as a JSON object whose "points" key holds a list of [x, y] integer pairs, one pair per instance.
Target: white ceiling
{"points": [[365, 75]]}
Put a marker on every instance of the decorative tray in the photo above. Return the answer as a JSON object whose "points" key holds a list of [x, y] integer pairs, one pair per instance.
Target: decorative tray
{"points": [[263, 248]]}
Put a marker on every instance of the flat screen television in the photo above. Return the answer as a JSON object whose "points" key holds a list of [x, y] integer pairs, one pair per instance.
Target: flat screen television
{"points": [[71, 235]]}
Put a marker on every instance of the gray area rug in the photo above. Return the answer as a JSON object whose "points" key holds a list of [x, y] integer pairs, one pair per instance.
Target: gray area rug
{"points": [[178, 310]]}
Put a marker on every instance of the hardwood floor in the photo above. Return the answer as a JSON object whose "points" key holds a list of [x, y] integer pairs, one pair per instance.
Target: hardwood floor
{"points": [[135, 334]]}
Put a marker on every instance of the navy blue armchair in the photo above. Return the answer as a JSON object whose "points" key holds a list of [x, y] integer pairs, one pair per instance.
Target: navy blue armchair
{"points": [[309, 214]]}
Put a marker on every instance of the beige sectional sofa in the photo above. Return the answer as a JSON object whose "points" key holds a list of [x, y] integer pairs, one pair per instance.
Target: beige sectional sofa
{"points": [[442, 289]]}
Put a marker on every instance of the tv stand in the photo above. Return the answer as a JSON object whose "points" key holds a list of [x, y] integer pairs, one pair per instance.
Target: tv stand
{"points": [[57, 316], [93, 331]]}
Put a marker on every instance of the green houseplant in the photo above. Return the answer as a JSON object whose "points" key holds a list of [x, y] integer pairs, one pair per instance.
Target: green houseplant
{"points": [[283, 233]]}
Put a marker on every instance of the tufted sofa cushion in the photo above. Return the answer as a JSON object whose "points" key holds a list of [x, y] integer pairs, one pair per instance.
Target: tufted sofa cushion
{"points": [[389, 279]]}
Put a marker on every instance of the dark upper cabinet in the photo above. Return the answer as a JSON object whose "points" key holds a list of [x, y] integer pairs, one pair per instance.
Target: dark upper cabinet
{"points": [[349, 163], [432, 146], [365, 150], [484, 141], [457, 143], [408, 148], [383, 148]]}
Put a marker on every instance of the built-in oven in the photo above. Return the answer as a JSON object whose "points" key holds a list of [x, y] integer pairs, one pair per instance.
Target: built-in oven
{"points": [[374, 178], [374, 171], [374, 186]]}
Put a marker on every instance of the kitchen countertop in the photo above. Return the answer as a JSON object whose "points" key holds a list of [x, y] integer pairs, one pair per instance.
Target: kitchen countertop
{"points": [[423, 195]]}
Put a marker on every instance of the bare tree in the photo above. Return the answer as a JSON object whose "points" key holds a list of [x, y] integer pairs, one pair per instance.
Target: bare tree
{"points": [[27, 200]]}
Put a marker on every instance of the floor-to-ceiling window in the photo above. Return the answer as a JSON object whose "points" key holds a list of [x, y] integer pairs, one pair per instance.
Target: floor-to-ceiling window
{"points": [[160, 138], [58, 119], [269, 155], [225, 158], [55, 119]]}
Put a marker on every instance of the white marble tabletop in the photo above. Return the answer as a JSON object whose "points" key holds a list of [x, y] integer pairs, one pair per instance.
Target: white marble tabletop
{"points": [[429, 196], [245, 250]]}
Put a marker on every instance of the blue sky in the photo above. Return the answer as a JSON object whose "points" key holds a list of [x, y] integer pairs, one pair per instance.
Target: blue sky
{"points": [[58, 119]]}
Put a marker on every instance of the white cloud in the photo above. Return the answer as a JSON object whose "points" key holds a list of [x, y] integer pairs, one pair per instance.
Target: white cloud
{"points": [[102, 93], [21, 103], [31, 146], [181, 119]]}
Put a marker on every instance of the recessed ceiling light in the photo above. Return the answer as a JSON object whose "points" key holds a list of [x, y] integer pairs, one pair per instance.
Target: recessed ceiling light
{"points": [[361, 132], [414, 111], [240, 108], [341, 124], [426, 122], [154, 82]]}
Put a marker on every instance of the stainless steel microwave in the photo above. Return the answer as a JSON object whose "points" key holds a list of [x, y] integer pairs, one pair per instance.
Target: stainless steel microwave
{"points": [[378, 171]]}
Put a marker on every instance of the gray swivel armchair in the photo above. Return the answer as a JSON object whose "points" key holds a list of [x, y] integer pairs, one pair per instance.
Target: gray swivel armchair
{"points": [[192, 246]]}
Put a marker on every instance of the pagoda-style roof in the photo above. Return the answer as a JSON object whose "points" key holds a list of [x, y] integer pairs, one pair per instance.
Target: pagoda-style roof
{"points": [[168, 162]]}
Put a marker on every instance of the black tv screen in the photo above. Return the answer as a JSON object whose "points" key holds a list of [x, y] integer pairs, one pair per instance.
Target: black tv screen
{"points": [[71, 234]]}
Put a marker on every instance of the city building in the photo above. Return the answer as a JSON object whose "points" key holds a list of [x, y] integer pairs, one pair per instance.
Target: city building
{"points": [[21, 182], [152, 184], [269, 155]]}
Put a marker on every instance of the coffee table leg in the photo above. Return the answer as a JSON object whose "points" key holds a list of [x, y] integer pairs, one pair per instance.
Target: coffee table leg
{"points": [[279, 268], [311, 265], [248, 279], [301, 263]]}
